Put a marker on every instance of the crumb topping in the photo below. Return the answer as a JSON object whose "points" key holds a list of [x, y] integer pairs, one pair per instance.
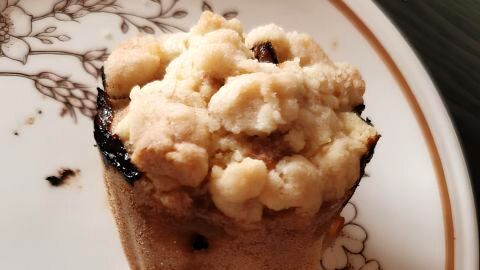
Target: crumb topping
{"points": [[212, 110]]}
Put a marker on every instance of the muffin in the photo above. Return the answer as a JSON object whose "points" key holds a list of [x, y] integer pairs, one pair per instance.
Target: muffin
{"points": [[226, 150]]}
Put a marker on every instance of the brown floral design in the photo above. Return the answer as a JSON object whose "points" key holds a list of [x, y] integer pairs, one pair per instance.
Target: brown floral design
{"points": [[14, 24], [346, 253], [16, 34], [74, 96]]}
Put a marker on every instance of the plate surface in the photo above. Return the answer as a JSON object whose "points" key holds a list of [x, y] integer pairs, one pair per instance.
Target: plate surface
{"points": [[404, 215]]}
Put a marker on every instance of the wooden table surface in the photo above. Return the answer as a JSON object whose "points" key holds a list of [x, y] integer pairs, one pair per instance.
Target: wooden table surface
{"points": [[446, 36]]}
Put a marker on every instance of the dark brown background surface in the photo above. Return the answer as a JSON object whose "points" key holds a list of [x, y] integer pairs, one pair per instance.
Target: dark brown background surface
{"points": [[446, 37]]}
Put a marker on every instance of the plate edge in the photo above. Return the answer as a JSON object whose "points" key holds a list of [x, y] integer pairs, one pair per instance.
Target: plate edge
{"points": [[446, 142]]}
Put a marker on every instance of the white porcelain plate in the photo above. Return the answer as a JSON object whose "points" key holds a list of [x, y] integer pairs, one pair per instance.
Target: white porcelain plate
{"points": [[414, 210]]}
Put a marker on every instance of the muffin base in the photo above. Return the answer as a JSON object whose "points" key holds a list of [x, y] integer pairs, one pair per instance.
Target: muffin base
{"points": [[153, 240]]}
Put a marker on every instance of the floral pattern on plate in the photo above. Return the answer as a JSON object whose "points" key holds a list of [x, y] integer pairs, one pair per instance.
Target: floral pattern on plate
{"points": [[346, 253], [16, 26]]}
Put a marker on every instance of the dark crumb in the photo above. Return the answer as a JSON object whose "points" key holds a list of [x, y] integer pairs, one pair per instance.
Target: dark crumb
{"points": [[199, 242], [63, 175], [30, 121], [39, 111], [95, 145], [264, 52], [63, 112], [15, 133], [334, 44]]}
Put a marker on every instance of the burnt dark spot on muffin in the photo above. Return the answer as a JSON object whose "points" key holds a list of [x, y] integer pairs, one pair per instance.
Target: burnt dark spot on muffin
{"points": [[365, 159], [111, 147], [199, 242], [104, 82], [368, 121], [16, 133], [359, 109], [264, 52], [62, 177]]}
